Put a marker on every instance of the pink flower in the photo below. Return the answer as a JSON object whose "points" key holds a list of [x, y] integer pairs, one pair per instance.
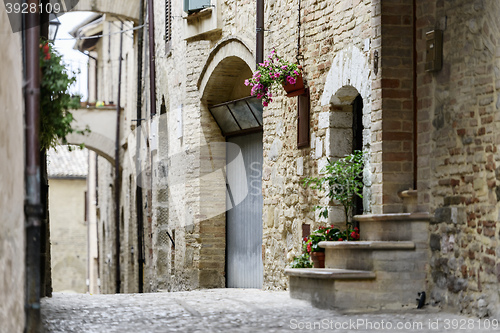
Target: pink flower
{"points": [[260, 95], [295, 72], [284, 67], [264, 103], [273, 51], [247, 83], [291, 80]]}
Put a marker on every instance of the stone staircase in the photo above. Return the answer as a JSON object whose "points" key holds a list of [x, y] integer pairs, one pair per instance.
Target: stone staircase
{"points": [[383, 271]]}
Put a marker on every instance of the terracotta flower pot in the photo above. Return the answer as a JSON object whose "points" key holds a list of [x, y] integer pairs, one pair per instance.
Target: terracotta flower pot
{"points": [[295, 89], [318, 259]]}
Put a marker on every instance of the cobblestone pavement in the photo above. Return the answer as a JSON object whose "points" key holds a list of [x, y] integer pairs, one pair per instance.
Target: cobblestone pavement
{"points": [[233, 310]]}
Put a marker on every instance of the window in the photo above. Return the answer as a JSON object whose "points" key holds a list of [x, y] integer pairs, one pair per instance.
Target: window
{"points": [[168, 25], [303, 120], [191, 6]]}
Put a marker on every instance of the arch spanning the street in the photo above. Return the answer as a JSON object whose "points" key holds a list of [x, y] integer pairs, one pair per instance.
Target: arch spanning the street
{"points": [[128, 9], [102, 136]]}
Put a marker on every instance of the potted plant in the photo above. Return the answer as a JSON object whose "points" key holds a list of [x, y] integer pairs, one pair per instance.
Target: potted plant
{"points": [[275, 72], [316, 253], [342, 181]]}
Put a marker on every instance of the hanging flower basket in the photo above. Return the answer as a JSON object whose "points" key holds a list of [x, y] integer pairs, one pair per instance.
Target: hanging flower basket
{"points": [[272, 73], [295, 89]]}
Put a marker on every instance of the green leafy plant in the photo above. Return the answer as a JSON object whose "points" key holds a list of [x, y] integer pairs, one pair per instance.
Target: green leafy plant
{"points": [[342, 182], [55, 99], [273, 72], [301, 261]]}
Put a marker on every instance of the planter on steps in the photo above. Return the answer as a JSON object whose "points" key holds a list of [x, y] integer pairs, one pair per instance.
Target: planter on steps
{"points": [[318, 259]]}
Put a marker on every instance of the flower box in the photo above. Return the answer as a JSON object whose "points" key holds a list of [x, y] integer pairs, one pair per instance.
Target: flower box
{"points": [[295, 89]]}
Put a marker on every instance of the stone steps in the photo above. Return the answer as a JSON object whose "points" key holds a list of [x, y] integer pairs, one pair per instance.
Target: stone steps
{"points": [[384, 271]]}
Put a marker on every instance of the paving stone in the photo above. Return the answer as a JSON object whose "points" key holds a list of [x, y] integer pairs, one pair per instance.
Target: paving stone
{"points": [[220, 310]]}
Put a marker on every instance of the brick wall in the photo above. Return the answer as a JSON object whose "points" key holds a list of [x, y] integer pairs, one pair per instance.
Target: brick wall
{"points": [[457, 146]]}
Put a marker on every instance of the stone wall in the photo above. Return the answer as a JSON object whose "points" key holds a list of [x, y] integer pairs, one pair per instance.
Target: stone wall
{"points": [[457, 166], [189, 203], [107, 50], [12, 244], [335, 43]]}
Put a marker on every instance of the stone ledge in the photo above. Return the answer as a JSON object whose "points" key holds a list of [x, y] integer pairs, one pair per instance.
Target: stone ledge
{"points": [[329, 273], [404, 217], [368, 245]]}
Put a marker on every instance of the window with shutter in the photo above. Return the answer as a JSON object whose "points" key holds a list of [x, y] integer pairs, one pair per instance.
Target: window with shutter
{"points": [[168, 25], [303, 120], [191, 6]]}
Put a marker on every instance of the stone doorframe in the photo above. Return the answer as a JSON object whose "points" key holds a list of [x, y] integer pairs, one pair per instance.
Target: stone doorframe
{"points": [[349, 76]]}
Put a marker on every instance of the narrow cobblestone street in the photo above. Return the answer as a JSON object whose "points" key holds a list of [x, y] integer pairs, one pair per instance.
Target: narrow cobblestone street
{"points": [[232, 310]]}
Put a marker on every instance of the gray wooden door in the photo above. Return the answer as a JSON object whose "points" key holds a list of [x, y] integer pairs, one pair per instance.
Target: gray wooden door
{"points": [[244, 267]]}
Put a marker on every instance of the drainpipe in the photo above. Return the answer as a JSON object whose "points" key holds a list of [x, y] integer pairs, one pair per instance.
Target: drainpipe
{"points": [[259, 56], [138, 189], [415, 98], [152, 54], [117, 167], [45, 253], [33, 207]]}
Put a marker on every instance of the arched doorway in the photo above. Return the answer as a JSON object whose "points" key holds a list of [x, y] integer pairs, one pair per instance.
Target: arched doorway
{"points": [[238, 116], [347, 133]]}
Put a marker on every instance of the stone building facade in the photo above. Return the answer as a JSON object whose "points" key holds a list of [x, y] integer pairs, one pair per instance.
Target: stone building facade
{"points": [[457, 152], [426, 131], [67, 171], [12, 239]]}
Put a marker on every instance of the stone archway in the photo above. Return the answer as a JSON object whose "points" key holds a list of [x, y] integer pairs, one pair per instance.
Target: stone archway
{"points": [[101, 138], [128, 9], [231, 51], [222, 78], [348, 81]]}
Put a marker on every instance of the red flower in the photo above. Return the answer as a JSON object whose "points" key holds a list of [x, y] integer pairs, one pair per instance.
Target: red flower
{"points": [[305, 239], [47, 56], [309, 247], [340, 239], [46, 48]]}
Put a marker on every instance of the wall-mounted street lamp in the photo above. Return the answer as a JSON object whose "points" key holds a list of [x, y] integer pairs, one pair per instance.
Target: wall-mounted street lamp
{"points": [[54, 24]]}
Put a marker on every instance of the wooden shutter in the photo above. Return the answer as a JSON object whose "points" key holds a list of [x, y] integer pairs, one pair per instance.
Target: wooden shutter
{"points": [[303, 120]]}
